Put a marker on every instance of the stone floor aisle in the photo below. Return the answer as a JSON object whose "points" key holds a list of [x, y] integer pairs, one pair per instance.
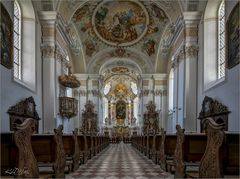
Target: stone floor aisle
{"points": [[119, 161]]}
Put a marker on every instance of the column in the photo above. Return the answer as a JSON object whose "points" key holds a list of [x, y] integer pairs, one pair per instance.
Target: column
{"points": [[192, 20], [48, 48]]}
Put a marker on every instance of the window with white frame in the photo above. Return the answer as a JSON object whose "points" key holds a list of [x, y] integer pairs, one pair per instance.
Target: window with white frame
{"points": [[25, 67], [170, 89], [17, 41], [221, 40]]}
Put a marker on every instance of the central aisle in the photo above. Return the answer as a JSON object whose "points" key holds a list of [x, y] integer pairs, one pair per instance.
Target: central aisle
{"points": [[119, 161]]}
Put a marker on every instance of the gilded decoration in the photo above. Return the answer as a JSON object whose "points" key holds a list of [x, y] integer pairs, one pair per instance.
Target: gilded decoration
{"points": [[120, 23], [121, 90], [120, 70], [69, 80]]}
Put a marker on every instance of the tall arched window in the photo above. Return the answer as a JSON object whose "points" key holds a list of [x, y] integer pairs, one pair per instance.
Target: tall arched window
{"points": [[221, 40], [25, 68], [17, 41], [171, 93]]}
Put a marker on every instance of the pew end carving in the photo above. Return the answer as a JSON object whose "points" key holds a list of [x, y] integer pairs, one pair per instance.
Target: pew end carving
{"points": [[210, 166], [162, 156], [60, 162], [214, 109], [178, 153], [27, 163], [76, 155]]}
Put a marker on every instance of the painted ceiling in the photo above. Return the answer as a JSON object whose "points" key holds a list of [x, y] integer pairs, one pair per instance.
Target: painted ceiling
{"points": [[123, 26]]}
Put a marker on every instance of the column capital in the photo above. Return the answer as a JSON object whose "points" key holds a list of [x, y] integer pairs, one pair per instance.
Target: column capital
{"points": [[191, 51], [48, 51]]}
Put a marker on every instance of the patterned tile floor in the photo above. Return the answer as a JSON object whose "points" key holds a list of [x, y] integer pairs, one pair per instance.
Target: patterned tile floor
{"points": [[119, 161]]}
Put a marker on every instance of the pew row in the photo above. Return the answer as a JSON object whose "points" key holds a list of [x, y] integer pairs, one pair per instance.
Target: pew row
{"points": [[25, 154], [186, 156]]}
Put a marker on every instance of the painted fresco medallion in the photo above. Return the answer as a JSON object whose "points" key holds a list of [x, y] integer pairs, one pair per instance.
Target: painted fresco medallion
{"points": [[121, 22]]}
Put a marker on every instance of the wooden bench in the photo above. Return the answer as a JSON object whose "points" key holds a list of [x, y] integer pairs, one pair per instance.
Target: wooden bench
{"points": [[30, 153], [82, 143], [49, 152], [26, 159], [150, 146], [71, 148]]}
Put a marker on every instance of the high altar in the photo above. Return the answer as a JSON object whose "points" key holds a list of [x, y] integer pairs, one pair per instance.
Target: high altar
{"points": [[120, 118]]}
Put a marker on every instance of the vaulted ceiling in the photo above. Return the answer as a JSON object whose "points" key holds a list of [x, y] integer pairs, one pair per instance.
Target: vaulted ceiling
{"points": [[134, 30]]}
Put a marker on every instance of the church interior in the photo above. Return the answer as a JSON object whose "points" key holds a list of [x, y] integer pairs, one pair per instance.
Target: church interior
{"points": [[120, 89]]}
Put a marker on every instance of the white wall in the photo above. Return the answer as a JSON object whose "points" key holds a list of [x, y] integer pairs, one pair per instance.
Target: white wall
{"points": [[226, 92], [12, 92]]}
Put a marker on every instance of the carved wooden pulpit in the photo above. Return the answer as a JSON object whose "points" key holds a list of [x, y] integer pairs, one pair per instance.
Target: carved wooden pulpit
{"points": [[23, 110]]}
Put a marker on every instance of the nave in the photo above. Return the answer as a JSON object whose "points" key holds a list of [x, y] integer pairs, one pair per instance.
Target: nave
{"points": [[120, 161]]}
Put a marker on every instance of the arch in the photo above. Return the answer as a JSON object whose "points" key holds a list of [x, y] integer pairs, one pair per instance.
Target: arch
{"points": [[103, 56]]}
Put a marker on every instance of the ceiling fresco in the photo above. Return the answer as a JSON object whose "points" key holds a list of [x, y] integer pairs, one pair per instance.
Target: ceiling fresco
{"points": [[121, 25]]}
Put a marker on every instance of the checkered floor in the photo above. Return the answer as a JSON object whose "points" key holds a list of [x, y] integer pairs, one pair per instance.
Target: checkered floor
{"points": [[119, 161]]}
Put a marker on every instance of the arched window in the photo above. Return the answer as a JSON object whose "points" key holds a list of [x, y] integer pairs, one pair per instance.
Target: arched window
{"points": [[214, 44], [170, 88], [221, 40], [17, 41], [24, 71]]}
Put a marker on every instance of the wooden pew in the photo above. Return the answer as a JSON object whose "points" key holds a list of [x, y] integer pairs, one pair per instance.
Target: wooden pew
{"points": [[162, 157], [150, 146], [71, 148], [210, 165], [145, 145], [9, 154], [51, 154], [82, 143], [26, 159], [231, 154], [156, 148]]}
